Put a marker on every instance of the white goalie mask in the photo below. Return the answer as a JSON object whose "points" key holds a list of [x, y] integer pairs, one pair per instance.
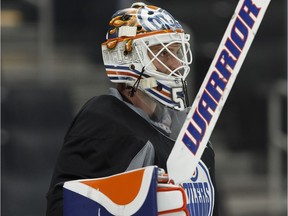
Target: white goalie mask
{"points": [[129, 58]]}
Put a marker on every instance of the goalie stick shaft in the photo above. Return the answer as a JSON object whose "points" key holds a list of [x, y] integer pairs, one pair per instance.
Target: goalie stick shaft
{"points": [[217, 84]]}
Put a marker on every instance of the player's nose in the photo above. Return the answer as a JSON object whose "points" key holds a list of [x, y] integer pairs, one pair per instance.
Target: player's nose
{"points": [[174, 63]]}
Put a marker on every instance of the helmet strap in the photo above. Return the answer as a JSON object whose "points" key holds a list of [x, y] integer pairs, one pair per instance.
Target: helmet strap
{"points": [[186, 99], [136, 84]]}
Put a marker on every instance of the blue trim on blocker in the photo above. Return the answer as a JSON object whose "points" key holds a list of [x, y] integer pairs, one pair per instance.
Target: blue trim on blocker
{"points": [[75, 204]]}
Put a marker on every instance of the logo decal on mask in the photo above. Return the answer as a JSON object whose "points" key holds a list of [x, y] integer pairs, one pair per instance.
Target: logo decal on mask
{"points": [[157, 20]]}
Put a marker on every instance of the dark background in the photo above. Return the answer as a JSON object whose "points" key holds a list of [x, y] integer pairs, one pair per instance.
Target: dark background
{"points": [[51, 64]]}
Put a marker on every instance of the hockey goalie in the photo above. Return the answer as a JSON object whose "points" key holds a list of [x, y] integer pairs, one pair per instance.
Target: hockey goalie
{"points": [[140, 149]]}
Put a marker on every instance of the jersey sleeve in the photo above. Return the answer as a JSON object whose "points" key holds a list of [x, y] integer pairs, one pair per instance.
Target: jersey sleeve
{"points": [[96, 145]]}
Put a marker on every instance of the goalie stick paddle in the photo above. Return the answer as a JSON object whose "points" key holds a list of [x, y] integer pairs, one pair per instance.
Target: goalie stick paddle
{"points": [[217, 84]]}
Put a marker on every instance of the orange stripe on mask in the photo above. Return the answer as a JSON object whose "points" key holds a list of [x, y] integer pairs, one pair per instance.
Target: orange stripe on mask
{"points": [[167, 94], [122, 73]]}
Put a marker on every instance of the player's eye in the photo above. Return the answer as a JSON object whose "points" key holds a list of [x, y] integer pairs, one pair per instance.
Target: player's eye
{"points": [[164, 53]]}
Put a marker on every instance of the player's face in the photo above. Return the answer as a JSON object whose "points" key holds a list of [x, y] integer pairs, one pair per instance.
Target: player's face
{"points": [[165, 57]]}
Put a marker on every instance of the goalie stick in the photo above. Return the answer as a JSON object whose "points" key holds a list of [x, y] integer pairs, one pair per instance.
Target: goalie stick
{"points": [[217, 84]]}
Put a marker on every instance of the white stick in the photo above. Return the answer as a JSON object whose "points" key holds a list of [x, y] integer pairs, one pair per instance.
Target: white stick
{"points": [[215, 89]]}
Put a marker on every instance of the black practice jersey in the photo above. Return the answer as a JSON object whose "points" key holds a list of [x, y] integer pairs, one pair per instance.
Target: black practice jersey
{"points": [[103, 140]]}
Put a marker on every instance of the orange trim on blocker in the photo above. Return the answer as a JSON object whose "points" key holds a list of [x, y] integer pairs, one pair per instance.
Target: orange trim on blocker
{"points": [[121, 189], [182, 208]]}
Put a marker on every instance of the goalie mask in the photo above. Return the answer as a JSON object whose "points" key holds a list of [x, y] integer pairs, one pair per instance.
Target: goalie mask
{"points": [[147, 49]]}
